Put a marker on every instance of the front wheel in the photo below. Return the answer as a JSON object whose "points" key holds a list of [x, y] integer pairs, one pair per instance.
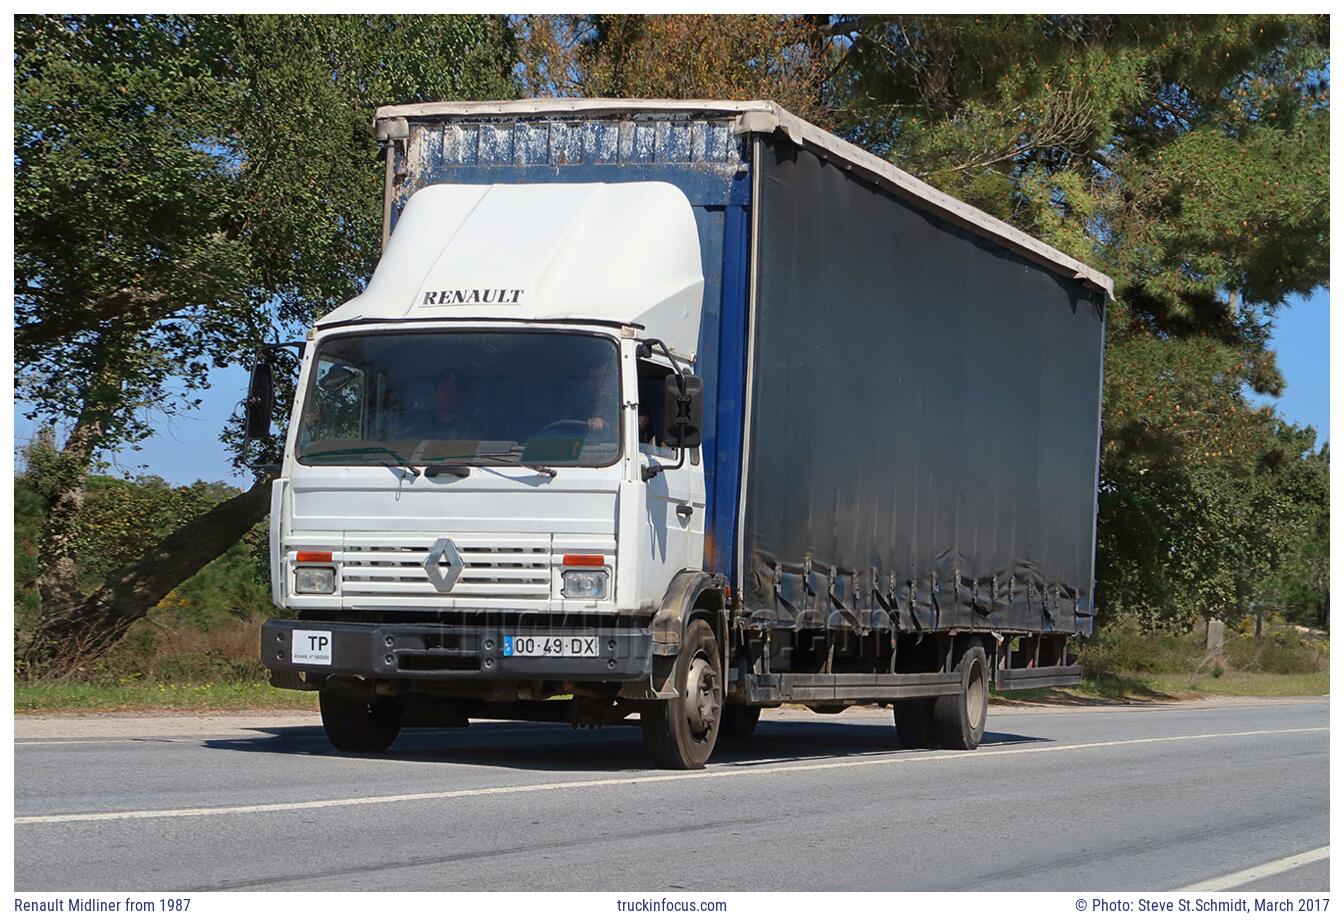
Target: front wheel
{"points": [[679, 734], [362, 728]]}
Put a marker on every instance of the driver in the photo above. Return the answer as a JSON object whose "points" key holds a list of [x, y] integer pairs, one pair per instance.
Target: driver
{"points": [[600, 402]]}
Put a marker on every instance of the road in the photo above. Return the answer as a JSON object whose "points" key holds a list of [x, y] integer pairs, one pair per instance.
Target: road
{"points": [[1105, 798]]}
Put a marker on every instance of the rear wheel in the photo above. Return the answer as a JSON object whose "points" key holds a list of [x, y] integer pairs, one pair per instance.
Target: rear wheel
{"points": [[679, 734], [914, 722], [959, 721], [365, 728], [739, 721]]}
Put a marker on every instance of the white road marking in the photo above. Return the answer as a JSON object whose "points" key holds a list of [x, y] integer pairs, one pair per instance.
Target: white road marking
{"points": [[643, 779], [93, 741], [1255, 873]]}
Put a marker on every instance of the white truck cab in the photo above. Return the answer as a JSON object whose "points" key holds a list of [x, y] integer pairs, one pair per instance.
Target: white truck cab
{"points": [[480, 480]]}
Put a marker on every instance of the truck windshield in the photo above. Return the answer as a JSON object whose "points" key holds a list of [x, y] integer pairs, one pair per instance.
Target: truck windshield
{"points": [[485, 398]]}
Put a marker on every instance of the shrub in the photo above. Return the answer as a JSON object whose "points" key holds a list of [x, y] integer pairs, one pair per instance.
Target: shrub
{"points": [[1282, 651], [1122, 646]]}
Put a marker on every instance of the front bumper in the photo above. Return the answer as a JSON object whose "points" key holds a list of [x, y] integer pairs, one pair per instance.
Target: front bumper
{"points": [[434, 652]]}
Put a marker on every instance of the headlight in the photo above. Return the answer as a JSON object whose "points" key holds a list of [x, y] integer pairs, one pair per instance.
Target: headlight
{"points": [[311, 579], [581, 583]]}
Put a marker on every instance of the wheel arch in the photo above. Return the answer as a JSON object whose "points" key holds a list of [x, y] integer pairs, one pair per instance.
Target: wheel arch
{"points": [[691, 596]]}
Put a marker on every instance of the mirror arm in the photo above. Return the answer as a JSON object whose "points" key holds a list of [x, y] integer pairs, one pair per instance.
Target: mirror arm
{"points": [[646, 346], [269, 347], [646, 349]]}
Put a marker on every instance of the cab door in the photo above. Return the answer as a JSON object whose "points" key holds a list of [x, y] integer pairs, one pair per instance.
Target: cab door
{"points": [[673, 525]]}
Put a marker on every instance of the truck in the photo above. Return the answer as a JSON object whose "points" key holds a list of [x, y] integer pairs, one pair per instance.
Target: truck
{"points": [[679, 410]]}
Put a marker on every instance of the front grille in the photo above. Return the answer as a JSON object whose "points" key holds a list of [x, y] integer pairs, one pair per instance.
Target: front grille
{"points": [[518, 568]]}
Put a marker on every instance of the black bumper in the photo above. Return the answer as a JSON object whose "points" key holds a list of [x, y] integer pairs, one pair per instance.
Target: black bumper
{"points": [[433, 652]]}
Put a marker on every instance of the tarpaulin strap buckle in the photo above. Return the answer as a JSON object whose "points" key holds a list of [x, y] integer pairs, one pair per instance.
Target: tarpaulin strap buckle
{"points": [[839, 606], [779, 593], [888, 605], [914, 617], [933, 596]]}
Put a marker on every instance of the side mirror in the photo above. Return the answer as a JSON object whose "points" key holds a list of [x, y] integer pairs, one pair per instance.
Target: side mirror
{"points": [[260, 400], [683, 413]]}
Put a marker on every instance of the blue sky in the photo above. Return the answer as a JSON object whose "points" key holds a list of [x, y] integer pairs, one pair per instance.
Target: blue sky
{"points": [[1302, 340], [187, 448]]}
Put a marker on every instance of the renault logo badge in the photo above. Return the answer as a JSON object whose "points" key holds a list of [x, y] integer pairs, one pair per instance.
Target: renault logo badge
{"points": [[443, 565]]}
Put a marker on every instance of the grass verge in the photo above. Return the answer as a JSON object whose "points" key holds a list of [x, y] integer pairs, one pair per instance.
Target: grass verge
{"points": [[77, 696], [1156, 688]]}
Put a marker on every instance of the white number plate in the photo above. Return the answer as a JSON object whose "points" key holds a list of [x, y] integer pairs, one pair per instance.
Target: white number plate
{"points": [[310, 647], [550, 647]]}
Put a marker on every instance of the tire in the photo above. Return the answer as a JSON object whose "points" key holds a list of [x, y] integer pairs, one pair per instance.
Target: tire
{"points": [[914, 722], [354, 727], [679, 734], [739, 721], [959, 721]]}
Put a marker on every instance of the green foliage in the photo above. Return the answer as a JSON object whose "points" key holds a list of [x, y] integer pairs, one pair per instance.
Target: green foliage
{"points": [[183, 183], [311, 165], [1282, 651], [1203, 498], [123, 518], [129, 266], [187, 187], [1125, 647], [120, 519]]}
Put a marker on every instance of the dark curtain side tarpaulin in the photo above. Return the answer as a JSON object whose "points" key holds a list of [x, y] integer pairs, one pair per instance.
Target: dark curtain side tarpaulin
{"points": [[924, 415]]}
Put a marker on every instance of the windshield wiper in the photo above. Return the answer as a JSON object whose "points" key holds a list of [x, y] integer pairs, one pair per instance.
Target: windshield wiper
{"points": [[514, 458], [343, 451]]}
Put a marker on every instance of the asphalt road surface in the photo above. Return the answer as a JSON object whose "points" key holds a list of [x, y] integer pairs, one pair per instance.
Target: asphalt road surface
{"points": [[1105, 798]]}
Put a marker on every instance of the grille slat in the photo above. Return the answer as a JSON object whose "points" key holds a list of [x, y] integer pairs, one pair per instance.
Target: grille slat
{"points": [[460, 589], [520, 568]]}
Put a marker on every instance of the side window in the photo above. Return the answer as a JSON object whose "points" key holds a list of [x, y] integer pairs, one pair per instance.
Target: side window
{"points": [[652, 377]]}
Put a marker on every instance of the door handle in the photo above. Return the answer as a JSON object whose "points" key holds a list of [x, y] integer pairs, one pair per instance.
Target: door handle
{"points": [[684, 510]]}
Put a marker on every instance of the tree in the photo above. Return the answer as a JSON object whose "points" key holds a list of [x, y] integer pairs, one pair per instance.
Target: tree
{"points": [[784, 58], [1188, 158], [128, 269], [184, 186]]}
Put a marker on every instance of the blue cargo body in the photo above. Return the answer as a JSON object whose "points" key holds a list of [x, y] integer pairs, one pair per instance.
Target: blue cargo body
{"points": [[902, 409]]}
